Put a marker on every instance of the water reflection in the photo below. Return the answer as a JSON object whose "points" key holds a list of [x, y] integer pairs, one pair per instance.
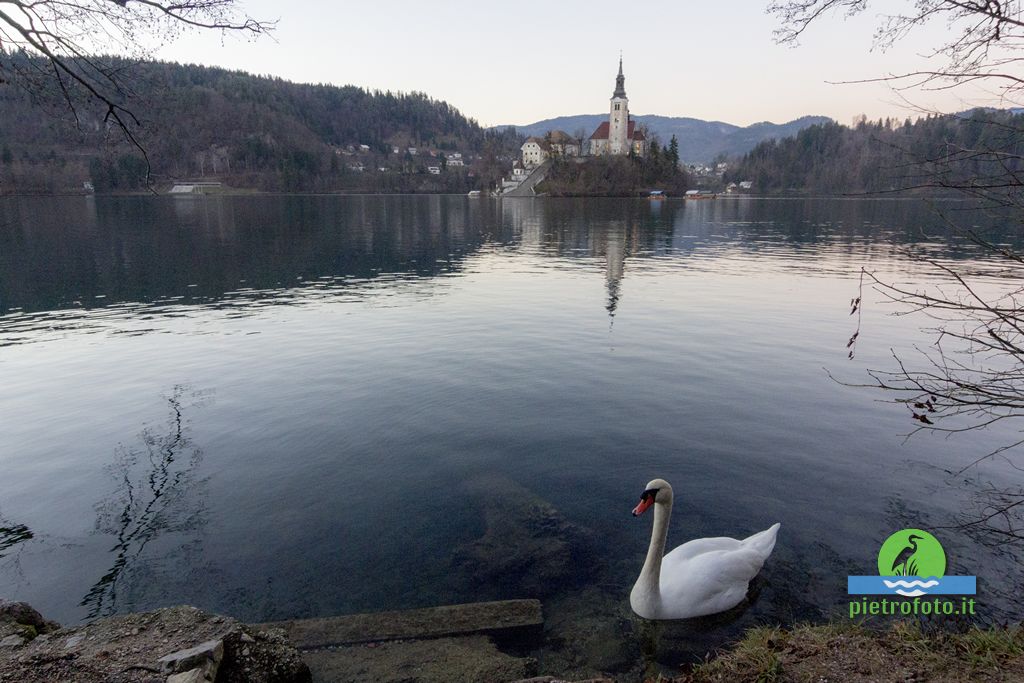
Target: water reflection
{"points": [[616, 258], [85, 254], [157, 502], [12, 534]]}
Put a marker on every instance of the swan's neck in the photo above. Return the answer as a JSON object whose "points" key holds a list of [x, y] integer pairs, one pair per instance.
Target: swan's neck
{"points": [[650, 575]]}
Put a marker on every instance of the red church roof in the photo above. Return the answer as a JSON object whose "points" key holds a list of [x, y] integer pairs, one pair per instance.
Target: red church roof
{"points": [[631, 134]]}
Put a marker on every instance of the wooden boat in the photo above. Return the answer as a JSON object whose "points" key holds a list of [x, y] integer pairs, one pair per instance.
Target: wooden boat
{"points": [[699, 194]]}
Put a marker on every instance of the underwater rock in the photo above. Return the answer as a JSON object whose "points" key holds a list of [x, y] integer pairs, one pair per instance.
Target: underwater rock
{"points": [[528, 548]]}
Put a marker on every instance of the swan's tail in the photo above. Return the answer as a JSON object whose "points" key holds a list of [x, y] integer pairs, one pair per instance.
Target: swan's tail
{"points": [[763, 541]]}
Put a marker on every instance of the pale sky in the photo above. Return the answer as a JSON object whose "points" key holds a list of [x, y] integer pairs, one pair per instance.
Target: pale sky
{"points": [[519, 62]]}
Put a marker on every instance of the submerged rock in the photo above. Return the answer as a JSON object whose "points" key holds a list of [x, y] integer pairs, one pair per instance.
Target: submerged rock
{"points": [[528, 548]]}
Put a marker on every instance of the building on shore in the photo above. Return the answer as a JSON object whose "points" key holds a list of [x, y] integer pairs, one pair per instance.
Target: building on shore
{"points": [[619, 135], [563, 144], [535, 151]]}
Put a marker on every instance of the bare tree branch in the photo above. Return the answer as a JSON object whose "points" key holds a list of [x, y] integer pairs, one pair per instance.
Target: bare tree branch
{"points": [[69, 36]]}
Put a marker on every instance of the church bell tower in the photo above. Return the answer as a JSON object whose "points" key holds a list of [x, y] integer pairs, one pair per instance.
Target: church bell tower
{"points": [[618, 118]]}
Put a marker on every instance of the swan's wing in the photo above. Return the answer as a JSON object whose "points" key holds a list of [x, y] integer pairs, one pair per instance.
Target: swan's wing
{"points": [[699, 546], [709, 582], [762, 542]]}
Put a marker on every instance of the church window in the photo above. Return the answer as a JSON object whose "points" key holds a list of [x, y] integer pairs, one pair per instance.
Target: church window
{"points": [[616, 106]]}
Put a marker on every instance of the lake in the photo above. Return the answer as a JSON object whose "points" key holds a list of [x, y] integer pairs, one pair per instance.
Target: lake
{"points": [[276, 407]]}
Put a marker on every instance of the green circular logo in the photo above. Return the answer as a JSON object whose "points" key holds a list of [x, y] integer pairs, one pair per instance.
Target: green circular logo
{"points": [[912, 552]]}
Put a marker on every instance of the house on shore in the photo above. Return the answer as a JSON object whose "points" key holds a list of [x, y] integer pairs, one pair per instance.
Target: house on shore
{"points": [[562, 144], [535, 152]]}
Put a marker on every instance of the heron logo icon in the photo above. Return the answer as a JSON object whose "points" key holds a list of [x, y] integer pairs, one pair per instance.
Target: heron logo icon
{"points": [[912, 552], [912, 563]]}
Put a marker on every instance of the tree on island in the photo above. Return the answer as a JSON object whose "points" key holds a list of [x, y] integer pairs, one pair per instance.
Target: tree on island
{"points": [[973, 375]]}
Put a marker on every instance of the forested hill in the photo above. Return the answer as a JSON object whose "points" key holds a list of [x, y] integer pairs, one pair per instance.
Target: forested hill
{"points": [[927, 154], [248, 131]]}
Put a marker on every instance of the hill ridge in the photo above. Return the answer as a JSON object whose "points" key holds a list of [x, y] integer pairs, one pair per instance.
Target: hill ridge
{"points": [[700, 141]]}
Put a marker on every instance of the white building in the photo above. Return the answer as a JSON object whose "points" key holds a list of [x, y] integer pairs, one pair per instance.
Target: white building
{"points": [[535, 152], [619, 135]]}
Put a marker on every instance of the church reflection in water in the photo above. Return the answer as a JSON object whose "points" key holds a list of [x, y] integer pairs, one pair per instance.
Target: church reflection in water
{"points": [[606, 229]]}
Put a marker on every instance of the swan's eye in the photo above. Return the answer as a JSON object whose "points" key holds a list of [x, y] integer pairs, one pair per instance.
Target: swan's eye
{"points": [[649, 493]]}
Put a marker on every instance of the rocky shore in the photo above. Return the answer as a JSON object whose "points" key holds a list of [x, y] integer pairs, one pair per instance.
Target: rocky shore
{"points": [[454, 643], [172, 645]]}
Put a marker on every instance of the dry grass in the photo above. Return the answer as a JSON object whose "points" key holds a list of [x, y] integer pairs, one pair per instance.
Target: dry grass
{"points": [[849, 652]]}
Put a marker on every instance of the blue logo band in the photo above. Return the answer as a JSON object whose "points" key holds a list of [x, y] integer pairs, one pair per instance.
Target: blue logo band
{"points": [[911, 586]]}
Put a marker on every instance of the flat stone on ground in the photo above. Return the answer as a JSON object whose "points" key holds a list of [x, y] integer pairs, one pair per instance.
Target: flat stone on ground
{"points": [[433, 622], [184, 660]]}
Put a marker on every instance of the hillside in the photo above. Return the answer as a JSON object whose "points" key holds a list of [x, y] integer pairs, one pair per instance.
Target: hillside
{"points": [[699, 141], [251, 132], [979, 148]]}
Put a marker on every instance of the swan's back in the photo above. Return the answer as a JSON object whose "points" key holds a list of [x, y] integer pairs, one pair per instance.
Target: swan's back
{"points": [[710, 575]]}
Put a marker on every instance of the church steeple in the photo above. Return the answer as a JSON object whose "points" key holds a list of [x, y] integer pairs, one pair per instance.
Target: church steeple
{"points": [[620, 82]]}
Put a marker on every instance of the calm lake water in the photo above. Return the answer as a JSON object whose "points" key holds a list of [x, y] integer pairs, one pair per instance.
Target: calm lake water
{"points": [[279, 407]]}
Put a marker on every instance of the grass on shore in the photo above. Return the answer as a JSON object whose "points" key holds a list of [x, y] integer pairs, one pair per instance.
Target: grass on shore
{"points": [[849, 652]]}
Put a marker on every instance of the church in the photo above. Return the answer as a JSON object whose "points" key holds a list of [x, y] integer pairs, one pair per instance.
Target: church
{"points": [[619, 134]]}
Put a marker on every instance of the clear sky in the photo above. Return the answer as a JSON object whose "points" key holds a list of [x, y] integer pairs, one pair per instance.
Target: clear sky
{"points": [[519, 62]]}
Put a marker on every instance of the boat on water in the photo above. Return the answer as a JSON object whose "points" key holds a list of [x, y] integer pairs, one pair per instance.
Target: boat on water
{"points": [[699, 194], [657, 195], [474, 193]]}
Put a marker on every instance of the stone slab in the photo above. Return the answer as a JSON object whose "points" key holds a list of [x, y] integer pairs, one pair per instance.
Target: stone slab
{"points": [[433, 622], [184, 660], [467, 659]]}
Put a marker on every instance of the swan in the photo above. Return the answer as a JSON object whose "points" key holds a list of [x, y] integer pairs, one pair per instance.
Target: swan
{"points": [[701, 577]]}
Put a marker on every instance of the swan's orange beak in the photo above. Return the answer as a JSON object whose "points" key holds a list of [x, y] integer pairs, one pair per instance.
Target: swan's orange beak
{"points": [[645, 502]]}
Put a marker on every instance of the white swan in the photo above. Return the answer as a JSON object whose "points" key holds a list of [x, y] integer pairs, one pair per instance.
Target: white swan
{"points": [[701, 577]]}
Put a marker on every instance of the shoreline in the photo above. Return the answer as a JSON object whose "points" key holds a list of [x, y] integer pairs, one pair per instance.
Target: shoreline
{"points": [[480, 642]]}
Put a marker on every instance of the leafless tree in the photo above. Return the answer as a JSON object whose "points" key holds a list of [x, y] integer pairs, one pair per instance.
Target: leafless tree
{"points": [[985, 37], [971, 377], [60, 47]]}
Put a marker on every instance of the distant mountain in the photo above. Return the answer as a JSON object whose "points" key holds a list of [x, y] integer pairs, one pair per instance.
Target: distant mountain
{"points": [[699, 141]]}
